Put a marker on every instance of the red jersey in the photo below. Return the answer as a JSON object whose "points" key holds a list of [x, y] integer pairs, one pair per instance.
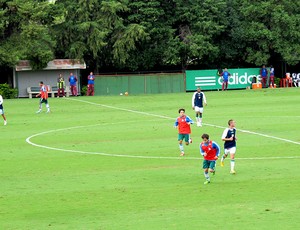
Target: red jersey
{"points": [[44, 92], [183, 125], [211, 149]]}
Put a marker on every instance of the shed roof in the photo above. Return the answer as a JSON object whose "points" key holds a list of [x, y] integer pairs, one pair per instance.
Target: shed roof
{"points": [[24, 65]]}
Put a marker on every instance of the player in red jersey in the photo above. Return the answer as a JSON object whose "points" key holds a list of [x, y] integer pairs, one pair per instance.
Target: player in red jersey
{"points": [[210, 150], [43, 97], [183, 123]]}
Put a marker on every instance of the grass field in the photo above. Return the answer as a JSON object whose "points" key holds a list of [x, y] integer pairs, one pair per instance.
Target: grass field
{"points": [[112, 162]]}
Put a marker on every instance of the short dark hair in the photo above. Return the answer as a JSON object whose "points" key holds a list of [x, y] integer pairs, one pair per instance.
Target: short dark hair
{"points": [[204, 135], [41, 82], [230, 121], [181, 110]]}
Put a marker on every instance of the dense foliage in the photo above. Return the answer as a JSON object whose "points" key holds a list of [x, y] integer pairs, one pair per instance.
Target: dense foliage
{"points": [[149, 35]]}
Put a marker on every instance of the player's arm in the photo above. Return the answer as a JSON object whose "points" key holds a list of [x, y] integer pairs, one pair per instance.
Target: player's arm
{"points": [[224, 136], [204, 99], [217, 147], [193, 100], [201, 150], [176, 124], [189, 120]]}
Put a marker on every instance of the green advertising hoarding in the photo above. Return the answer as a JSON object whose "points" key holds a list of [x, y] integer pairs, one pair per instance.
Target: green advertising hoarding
{"points": [[209, 80]]}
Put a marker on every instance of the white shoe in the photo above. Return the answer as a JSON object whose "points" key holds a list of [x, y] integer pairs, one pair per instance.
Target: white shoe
{"points": [[198, 123], [48, 111], [5, 122], [39, 111]]}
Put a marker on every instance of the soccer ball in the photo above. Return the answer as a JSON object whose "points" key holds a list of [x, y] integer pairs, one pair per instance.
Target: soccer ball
{"points": [[126, 93], [121, 94]]}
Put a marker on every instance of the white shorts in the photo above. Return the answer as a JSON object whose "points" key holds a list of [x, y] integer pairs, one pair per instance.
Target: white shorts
{"points": [[230, 150], [199, 109], [1, 111]]}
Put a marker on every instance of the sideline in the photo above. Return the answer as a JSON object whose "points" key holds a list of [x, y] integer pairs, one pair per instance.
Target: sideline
{"points": [[28, 139]]}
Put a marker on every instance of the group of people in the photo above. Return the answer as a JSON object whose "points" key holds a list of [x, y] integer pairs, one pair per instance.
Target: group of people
{"points": [[43, 94], [264, 72], [73, 85], [209, 149]]}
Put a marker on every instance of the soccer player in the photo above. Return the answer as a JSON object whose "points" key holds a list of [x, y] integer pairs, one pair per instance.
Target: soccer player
{"points": [[183, 123], [229, 138], [90, 89], [225, 76], [2, 110], [198, 100], [43, 97], [210, 150], [73, 82]]}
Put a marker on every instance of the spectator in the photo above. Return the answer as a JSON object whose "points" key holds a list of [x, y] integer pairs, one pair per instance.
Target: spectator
{"points": [[73, 84], [272, 76], [225, 77], [264, 75], [60, 86], [91, 82]]}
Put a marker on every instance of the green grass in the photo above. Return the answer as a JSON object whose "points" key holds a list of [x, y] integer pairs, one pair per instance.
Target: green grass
{"points": [[87, 171]]}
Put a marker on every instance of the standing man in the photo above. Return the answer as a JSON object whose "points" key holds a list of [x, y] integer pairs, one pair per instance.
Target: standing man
{"points": [[264, 75], [229, 138], [91, 82], [198, 100], [225, 76], [210, 150], [43, 97], [272, 76], [73, 84], [60, 86], [183, 123], [2, 110]]}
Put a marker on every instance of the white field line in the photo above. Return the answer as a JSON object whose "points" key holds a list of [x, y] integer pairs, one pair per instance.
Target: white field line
{"points": [[28, 140]]}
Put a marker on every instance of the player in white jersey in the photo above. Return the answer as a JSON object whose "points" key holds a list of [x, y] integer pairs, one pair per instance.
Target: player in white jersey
{"points": [[198, 100], [229, 138], [2, 110]]}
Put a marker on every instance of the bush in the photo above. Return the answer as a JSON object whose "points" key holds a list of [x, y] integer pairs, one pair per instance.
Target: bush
{"points": [[83, 90], [7, 92]]}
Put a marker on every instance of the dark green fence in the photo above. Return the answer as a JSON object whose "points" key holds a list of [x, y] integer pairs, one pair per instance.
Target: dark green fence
{"points": [[139, 84]]}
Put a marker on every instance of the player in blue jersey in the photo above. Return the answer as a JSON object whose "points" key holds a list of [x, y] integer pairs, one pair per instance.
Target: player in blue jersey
{"points": [[73, 84], [264, 75], [229, 138], [225, 77], [198, 100], [91, 82], [2, 110]]}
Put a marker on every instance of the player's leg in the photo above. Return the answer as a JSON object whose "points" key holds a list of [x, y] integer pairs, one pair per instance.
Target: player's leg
{"points": [[187, 139], [224, 156], [40, 105], [205, 169], [180, 139], [212, 167], [200, 116], [47, 106], [2, 114], [232, 160]]}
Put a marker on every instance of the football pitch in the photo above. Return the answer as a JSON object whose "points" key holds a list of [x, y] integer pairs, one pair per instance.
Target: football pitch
{"points": [[112, 162]]}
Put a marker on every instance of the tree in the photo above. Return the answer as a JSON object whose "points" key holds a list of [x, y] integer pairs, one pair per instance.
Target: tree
{"points": [[26, 33]]}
